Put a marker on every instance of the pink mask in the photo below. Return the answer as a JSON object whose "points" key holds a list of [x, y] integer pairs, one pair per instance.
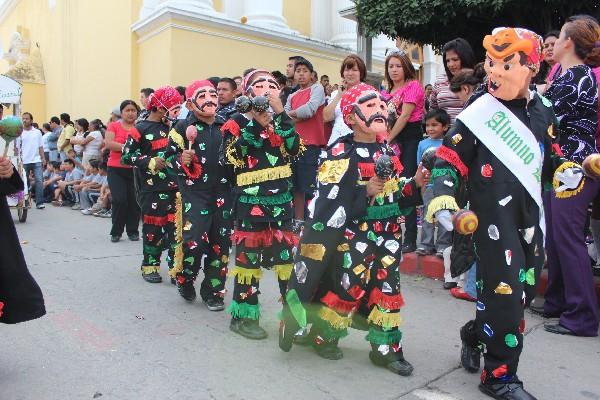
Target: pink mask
{"points": [[371, 112], [206, 99], [263, 85]]}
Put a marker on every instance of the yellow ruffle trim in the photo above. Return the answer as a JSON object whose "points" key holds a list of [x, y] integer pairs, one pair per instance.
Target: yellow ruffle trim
{"points": [[383, 319], [177, 138], [390, 186], [245, 275], [334, 319], [440, 203], [556, 182], [284, 271], [148, 269], [178, 257], [264, 175]]}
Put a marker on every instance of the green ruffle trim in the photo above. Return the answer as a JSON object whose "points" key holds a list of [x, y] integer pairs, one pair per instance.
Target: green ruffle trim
{"points": [[386, 211], [329, 333], [437, 172], [377, 336], [277, 199], [244, 310]]}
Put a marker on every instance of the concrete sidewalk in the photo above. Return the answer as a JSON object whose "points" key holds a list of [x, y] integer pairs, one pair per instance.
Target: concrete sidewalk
{"points": [[110, 335]]}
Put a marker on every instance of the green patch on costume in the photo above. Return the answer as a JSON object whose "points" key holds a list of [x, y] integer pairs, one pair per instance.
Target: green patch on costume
{"points": [[272, 159], [511, 340], [189, 260], [438, 172], [284, 255], [377, 336], [530, 277], [329, 333], [244, 310], [296, 307], [215, 282], [318, 226], [154, 250], [281, 198], [215, 263], [188, 207]]}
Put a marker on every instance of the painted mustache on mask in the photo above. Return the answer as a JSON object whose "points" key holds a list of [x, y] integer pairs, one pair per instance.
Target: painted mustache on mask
{"points": [[208, 103], [371, 119]]}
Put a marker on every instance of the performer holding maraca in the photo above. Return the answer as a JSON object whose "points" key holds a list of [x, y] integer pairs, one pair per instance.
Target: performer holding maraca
{"points": [[501, 146], [204, 213], [350, 251], [145, 148]]}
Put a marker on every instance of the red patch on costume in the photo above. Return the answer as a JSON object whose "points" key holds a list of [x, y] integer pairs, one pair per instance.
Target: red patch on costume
{"points": [[500, 371], [223, 271], [232, 127], [252, 161], [205, 237], [483, 375], [378, 226], [181, 279], [487, 171], [356, 292], [557, 150], [338, 149], [348, 234], [171, 217], [382, 274], [150, 237], [242, 258], [217, 249], [192, 244], [367, 170], [220, 202], [194, 170], [257, 212], [160, 143], [274, 138], [392, 227], [398, 167], [370, 258], [1, 308], [522, 326], [407, 190]]}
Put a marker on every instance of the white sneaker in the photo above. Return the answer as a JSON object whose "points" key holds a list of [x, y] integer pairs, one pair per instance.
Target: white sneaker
{"points": [[86, 212]]}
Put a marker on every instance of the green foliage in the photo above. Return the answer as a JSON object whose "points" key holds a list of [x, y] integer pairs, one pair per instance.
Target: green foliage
{"points": [[438, 21]]}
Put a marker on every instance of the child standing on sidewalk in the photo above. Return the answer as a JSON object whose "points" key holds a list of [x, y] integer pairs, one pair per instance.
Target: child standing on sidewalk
{"points": [[437, 123]]}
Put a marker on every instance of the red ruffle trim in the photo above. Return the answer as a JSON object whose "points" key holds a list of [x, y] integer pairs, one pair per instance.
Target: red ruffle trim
{"points": [[232, 127], [158, 221], [194, 170], [557, 150], [340, 306], [449, 155], [367, 170], [397, 164], [171, 217], [274, 138], [264, 238], [390, 302], [160, 143], [135, 134]]}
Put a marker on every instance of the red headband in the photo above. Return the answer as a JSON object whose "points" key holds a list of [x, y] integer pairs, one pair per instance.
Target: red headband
{"points": [[191, 89], [351, 96], [165, 96]]}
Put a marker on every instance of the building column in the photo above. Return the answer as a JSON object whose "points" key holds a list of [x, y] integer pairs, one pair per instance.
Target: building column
{"points": [[431, 64], [382, 43], [233, 9], [343, 30], [320, 19], [266, 14]]}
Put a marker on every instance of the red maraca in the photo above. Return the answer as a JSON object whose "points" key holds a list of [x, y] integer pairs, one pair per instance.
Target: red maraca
{"points": [[465, 222], [191, 134], [591, 165]]}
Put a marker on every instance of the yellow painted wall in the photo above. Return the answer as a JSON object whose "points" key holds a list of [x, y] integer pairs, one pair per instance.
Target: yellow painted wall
{"points": [[34, 101], [297, 14]]}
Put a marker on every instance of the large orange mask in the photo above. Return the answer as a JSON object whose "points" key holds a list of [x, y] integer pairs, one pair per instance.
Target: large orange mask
{"points": [[513, 57]]}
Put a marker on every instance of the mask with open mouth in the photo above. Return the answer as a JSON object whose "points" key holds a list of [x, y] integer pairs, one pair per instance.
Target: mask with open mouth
{"points": [[513, 57], [368, 107]]}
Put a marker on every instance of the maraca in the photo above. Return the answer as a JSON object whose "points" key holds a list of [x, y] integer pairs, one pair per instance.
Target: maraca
{"points": [[190, 134], [384, 168], [11, 128], [591, 165], [465, 222]]}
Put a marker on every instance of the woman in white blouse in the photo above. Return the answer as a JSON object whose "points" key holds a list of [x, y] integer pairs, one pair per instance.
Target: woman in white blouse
{"points": [[92, 141], [353, 72]]}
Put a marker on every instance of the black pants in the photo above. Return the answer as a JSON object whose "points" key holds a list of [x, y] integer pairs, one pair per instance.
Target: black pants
{"points": [[125, 210], [408, 140]]}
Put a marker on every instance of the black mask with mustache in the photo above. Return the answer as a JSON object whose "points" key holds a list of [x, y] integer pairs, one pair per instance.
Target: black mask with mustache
{"points": [[372, 118]]}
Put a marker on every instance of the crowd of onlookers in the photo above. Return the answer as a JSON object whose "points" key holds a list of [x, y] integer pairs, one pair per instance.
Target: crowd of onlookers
{"points": [[75, 152]]}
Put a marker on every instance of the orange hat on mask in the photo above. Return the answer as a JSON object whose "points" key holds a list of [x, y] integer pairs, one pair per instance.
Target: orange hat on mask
{"points": [[505, 41]]}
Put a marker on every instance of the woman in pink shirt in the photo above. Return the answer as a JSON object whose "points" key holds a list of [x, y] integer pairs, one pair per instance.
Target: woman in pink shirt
{"points": [[125, 210], [408, 101]]}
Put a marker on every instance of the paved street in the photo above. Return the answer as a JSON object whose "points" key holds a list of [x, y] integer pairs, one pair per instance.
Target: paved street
{"points": [[110, 335]]}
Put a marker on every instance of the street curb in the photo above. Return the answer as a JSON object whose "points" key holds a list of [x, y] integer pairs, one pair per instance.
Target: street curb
{"points": [[432, 267]]}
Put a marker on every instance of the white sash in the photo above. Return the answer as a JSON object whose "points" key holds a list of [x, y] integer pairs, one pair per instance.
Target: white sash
{"points": [[510, 141]]}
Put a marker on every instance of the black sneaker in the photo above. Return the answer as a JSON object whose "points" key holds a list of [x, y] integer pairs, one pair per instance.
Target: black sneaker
{"points": [[247, 328], [134, 237], [115, 238], [214, 303], [152, 277], [399, 367], [470, 356], [506, 391], [409, 248], [187, 291]]}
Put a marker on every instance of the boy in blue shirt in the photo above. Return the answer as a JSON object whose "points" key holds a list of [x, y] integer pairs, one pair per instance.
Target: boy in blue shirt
{"points": [[437, 123]]}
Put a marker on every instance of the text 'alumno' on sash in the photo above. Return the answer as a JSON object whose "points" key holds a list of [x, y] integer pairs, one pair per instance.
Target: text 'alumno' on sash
{"points": [[500, 124]]}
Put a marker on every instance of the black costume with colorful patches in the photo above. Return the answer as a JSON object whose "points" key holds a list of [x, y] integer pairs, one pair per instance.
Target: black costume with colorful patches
{"points": [[158, 190], [261, 161], [509, 243], [205, 212], [350, 251]]}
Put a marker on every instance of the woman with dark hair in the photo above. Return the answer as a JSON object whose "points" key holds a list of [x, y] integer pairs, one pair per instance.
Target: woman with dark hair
{"points": [[90, 141], [570, 294], [353, 71], [457, 54], [407, 103], [125, 210], [548, 63]]}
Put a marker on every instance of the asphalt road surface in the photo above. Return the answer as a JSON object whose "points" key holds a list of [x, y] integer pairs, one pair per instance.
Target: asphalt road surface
{"points": [[110, 335]]}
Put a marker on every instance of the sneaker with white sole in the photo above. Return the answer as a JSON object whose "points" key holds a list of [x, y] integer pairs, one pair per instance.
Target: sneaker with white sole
{"points": [[86, 212], [76, 206]]}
